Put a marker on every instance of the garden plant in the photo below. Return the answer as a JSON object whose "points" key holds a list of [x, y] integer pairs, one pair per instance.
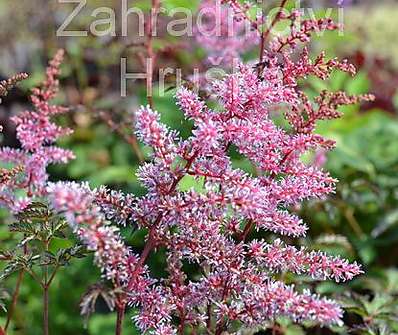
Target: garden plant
{"points": [[214, 238]]}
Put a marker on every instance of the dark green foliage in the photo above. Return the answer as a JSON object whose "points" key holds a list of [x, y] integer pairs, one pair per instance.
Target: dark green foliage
{"points": [[39, 247]]}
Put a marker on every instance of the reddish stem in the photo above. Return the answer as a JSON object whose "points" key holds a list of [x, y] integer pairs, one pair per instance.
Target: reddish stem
{"points": [[14, 300], [266, 33], [222, 323], [149, 49], [15, 294], [249, 226], [208, 321], [119, 319], [151, 243], [181, 327]]}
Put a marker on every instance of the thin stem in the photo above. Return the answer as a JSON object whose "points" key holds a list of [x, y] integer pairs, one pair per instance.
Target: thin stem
{"points": [[349, 215], [45, 310], [46, 287], [46, 284], [148, 248], [181, 327], [151, 243], [15, 295], [119, 320], [266, 33], [149, 49], [208, 321], [246, 231], [14, 299], [52, 275], [220, 326]]}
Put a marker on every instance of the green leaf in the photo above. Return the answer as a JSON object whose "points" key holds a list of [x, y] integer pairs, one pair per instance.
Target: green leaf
{"points": [[64, 256], [47, 258], [89, 299], [11, 267]]}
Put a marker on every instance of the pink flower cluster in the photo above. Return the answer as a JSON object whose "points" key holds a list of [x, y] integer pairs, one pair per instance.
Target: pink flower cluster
{"points": [[84, 209], [8, 84], [36, 133], [85, 216], [210, 226], [224, 31]]}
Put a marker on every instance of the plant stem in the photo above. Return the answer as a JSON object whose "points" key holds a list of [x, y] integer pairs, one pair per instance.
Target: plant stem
{"points": [[14, 299], [151, 242], [15, 294], [45, 310], [266, 33], [246, 230], [46, 285], [220, 325], [349, 215], [51, 278], [148, 246], [208, 321], [119, 320], [181, 327], [149, 49]]}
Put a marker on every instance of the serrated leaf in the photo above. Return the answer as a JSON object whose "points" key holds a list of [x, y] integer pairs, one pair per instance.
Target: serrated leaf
{"points": [[4, 295], [65, 255], [47, 258], [27, 239], [11, 267], [24, 227], [6, 255], [89, 299]]}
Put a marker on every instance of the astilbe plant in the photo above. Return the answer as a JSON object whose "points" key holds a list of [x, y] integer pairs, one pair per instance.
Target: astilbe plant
{"points": [[210, 228], [226, 31], [36, 133], [23, 192]]}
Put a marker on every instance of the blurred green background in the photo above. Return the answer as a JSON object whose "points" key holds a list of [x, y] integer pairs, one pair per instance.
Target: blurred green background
{"points": [[359, 222]]}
